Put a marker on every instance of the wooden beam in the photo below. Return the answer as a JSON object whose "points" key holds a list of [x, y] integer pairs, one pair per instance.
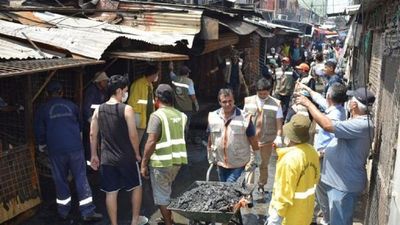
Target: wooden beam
{"points": [[52, 73], [109, 64]]}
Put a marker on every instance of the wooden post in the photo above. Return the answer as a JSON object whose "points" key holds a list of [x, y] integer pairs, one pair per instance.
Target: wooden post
{"points": [[79, 88], [159, 72], [29, 115]]}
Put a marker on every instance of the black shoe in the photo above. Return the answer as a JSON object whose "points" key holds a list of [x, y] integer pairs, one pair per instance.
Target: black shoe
{"points": [[92, 217]]}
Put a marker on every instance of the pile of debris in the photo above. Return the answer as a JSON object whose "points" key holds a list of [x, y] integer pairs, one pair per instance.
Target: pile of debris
{"points": [[209, 197]]}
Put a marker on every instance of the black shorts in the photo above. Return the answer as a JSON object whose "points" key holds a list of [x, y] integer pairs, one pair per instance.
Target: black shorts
{"points": [[115, 178]]}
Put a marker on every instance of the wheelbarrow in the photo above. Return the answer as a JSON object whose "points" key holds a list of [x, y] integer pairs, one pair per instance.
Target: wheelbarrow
{"points": [[230, 214], [227, 214]]}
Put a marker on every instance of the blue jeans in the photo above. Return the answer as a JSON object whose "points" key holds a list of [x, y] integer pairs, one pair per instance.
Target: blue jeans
{"points": [[341, 206], [229, 175]]}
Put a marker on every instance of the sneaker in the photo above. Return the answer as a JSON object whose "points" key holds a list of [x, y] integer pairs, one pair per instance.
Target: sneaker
{"points": [[143, 220], [92, 217], [261, 189]]}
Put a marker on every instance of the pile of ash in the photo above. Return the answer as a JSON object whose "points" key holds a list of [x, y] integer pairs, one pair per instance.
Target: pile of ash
{"points": [[209, 197]]}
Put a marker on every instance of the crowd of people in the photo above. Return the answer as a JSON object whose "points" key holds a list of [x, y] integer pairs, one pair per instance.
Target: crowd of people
{"points": [[321, 137]]}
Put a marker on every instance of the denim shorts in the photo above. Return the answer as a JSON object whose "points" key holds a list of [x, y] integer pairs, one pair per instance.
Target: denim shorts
{"points": [[114, 178], [161, 181]]}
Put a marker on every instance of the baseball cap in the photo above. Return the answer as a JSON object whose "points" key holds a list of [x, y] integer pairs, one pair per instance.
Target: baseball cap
{"points": [[297, 130], [164, 91], [184, 70], [304, 67], [363, 95], [100, 76], [54, 86]]}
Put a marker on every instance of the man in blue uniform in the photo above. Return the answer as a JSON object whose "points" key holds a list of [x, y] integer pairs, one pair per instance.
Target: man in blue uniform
{"points": [[57, 129], [95, 95]]}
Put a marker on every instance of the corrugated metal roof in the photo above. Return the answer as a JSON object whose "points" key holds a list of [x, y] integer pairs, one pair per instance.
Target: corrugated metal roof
{"points": [[11, 49], [174, 20], [156, 38], [85, 37], [22, 67], [239, 27], [266, 24], [81, 42]]}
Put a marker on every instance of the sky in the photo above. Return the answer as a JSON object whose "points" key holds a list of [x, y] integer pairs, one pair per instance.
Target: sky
{"points": [[318, 6], [337, 5]]}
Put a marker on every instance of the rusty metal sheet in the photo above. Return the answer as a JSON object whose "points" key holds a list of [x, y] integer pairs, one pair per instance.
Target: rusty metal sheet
{"points": [[28, 18], [106, 16], [12, 49], [149, 56], [151, 37], [174, 20], [22, 67]]}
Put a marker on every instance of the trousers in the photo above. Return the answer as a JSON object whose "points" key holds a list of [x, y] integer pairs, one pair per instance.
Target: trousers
{"points": [[60, 167], [265, 150], [341, 206]]}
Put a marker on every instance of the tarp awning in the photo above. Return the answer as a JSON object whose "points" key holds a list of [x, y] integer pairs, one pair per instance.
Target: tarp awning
{"points": [[23, 67], [151, 56]]}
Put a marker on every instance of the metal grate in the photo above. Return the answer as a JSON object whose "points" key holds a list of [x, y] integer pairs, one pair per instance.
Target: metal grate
{"points": [[21, 67], [19, 189], [12, 112]]}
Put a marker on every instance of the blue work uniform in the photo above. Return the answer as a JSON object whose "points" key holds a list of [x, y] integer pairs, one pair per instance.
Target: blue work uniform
{"points": [[57, 125]]}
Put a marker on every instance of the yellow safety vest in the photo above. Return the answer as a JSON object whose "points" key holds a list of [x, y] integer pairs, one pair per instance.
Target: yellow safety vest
{"points": [[171, 148]]}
